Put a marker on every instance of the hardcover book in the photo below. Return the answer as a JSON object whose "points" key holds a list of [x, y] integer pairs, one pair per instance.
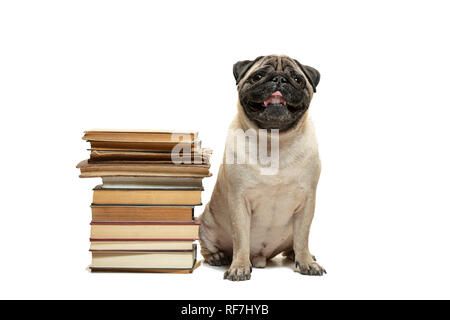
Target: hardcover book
{"points": [[168, 231]]}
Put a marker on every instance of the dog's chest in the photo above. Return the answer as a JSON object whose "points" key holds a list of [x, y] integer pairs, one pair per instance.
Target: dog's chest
{"points": [[272, 208]]}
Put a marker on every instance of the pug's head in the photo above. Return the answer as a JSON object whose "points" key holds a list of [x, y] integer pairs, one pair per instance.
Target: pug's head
{"points": [[275, 91]]}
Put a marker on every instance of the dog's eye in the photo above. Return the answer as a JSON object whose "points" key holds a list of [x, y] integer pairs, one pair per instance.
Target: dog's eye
{"points": [[257, 77], [299, 80]]}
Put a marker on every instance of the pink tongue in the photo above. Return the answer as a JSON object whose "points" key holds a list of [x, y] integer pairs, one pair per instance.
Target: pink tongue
{"points": [[274, 96]]}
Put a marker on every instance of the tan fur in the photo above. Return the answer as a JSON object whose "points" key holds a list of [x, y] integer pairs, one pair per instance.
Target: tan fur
{"points": [[253, 217]]}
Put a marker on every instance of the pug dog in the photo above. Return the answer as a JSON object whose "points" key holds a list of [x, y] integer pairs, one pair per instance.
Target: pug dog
{"points": [[252, 217]]}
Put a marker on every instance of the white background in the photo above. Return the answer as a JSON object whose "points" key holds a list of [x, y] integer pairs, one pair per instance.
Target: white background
{"points": [[381, 112]]}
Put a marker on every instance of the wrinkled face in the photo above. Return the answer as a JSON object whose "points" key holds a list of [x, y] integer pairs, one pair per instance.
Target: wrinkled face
{"points": [[275, 91]]}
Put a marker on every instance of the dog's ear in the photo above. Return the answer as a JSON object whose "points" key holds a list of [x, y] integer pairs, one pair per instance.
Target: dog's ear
{"points": [[312, 74], [240, 68]]}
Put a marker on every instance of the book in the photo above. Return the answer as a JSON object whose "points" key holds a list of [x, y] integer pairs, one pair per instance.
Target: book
{"points": [[148, 270], [97, 155], [183, 259], [139, 135], [142, 213], [120, 182], [155, 245], [143, 146], [137, 169], [160, 196], [167, 231]]}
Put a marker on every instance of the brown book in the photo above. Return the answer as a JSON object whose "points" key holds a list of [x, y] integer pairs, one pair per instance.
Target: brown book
{"points": [[139, 135], [167, 231], [158, 196], [128, 213], [200, 157], [119, 182], [138, 169], [143, 146], [145, 259]]}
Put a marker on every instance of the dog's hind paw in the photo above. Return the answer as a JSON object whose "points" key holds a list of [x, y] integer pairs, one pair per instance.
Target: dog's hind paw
{"points": [[310, 269], [217, 259], [259, 261], [291, 255]]}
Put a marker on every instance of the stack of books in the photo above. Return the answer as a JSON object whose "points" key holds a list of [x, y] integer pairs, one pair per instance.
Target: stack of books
{"points": [[143, 212]]}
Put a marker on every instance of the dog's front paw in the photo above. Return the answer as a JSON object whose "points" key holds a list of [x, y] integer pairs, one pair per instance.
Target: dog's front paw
{"points": [[309, 267], [238, 272]]}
